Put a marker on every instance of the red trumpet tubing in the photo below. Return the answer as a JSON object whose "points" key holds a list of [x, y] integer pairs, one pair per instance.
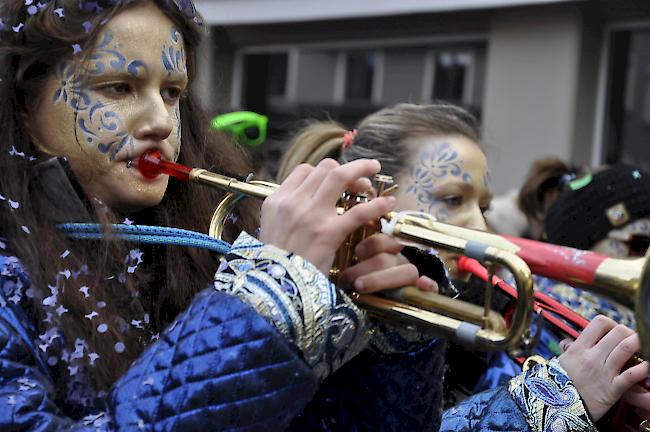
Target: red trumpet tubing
{"points": [[543, 303]]}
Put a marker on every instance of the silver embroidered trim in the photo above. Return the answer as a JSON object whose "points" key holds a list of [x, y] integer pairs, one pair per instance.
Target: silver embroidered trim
{"points": [[294, 296]]}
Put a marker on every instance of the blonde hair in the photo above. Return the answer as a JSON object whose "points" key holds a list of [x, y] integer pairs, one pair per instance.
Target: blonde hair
{"points": [[313, 143], [381, 135]]}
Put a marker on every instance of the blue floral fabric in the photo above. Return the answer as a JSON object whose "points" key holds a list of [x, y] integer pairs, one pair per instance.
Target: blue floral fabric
{"points": [[549, 400], [584, 302]]}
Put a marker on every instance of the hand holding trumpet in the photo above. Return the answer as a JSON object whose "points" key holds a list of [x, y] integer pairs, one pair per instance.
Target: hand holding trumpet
{"points": [[596, 362], [301, 217]]}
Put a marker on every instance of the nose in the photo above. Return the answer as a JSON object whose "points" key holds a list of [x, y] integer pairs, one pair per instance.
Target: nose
{"points": [[155, 120], [476, 220]]}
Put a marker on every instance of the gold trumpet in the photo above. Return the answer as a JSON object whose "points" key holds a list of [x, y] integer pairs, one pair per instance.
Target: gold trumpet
{"points": [[626, 280], [474, 326]]}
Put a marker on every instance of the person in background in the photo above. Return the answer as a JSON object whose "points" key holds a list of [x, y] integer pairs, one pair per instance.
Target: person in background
{"points": [[545, 180], [608, 212], [434, 154]]}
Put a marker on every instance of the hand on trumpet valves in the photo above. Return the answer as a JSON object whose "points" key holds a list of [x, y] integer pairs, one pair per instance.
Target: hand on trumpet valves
{"points": [[301, 215], [596, 363], [381, 266]]}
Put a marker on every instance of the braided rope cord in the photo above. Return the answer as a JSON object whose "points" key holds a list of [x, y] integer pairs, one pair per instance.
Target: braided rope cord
{"points": [[144, 234]]}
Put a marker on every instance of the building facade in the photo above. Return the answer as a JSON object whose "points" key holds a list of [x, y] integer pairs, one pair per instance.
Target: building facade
{"points": [[546, 77]]}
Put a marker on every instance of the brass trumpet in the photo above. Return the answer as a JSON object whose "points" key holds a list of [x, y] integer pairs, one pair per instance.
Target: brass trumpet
{"points": [[471, 325], [626, 280]]}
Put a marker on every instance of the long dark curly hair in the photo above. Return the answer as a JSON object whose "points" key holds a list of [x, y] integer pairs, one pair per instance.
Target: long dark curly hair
{"points": [[33, 40]]}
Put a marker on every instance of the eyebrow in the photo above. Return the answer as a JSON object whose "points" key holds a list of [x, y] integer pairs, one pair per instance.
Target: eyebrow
{"points": [[175, 77]]}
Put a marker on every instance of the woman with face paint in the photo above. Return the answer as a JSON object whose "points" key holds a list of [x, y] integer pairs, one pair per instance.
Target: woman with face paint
{"points": [[433, 153], [114, 329]]}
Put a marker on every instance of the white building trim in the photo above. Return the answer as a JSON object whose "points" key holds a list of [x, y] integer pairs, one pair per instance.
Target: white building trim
{"points": [[243, 12]]}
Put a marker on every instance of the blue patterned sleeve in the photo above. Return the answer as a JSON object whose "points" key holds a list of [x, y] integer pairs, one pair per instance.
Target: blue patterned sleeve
{"points": [[542, 399], [548, 399], [293, 295]]}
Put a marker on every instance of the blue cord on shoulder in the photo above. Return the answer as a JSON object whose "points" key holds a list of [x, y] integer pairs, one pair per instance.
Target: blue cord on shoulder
{"points": [[144, 234]]}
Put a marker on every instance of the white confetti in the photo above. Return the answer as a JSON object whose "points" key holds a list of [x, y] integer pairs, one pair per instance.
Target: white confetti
{"points": [[14, 152], [84, 289], [24, 228], [61, 310], [102, 328], [137, 323], [65, 253], [93, 356], [119, 347], [127, 221], [91, 315], [50, 301]]}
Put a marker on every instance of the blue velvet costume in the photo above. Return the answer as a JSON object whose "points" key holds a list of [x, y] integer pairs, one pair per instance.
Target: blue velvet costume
{"points": [[273, 345]]}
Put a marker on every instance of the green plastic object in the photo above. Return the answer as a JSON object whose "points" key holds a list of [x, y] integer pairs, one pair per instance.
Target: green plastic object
{"points": [[247, 126], [581, 182]]}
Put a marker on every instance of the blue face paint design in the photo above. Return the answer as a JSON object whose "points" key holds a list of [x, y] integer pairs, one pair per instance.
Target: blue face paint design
{"points": [[101, 127], [441, 162], [176, 113], [173, 55], [487, 181]]}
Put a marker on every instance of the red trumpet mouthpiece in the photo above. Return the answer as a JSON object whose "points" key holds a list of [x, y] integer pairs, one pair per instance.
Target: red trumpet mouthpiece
{"points": [[151, 165]]}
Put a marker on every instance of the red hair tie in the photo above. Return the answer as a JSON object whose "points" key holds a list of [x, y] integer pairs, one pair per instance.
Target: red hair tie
{"points": [[348, 138]]}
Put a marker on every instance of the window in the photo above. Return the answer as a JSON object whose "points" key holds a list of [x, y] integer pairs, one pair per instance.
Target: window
{"points": [[348, 80], [265, 77], [627, 122], [452, 70], [360, 75]]}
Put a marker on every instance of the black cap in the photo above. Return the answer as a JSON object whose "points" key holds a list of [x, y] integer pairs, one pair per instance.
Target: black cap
{"points": [[594, 204]]}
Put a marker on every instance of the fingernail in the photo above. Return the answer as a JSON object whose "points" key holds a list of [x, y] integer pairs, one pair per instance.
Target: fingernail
{"points": [[358, 285], [390, 200]]}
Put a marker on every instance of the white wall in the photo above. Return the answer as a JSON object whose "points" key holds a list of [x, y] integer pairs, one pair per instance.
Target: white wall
{"points": [[530, 100], [231, 12]]}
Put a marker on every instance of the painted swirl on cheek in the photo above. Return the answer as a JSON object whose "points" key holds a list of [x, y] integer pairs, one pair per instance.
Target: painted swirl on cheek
{"points": [[173, 55], [434, 165], [487, 181], [101, 126], [176, 115]]}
